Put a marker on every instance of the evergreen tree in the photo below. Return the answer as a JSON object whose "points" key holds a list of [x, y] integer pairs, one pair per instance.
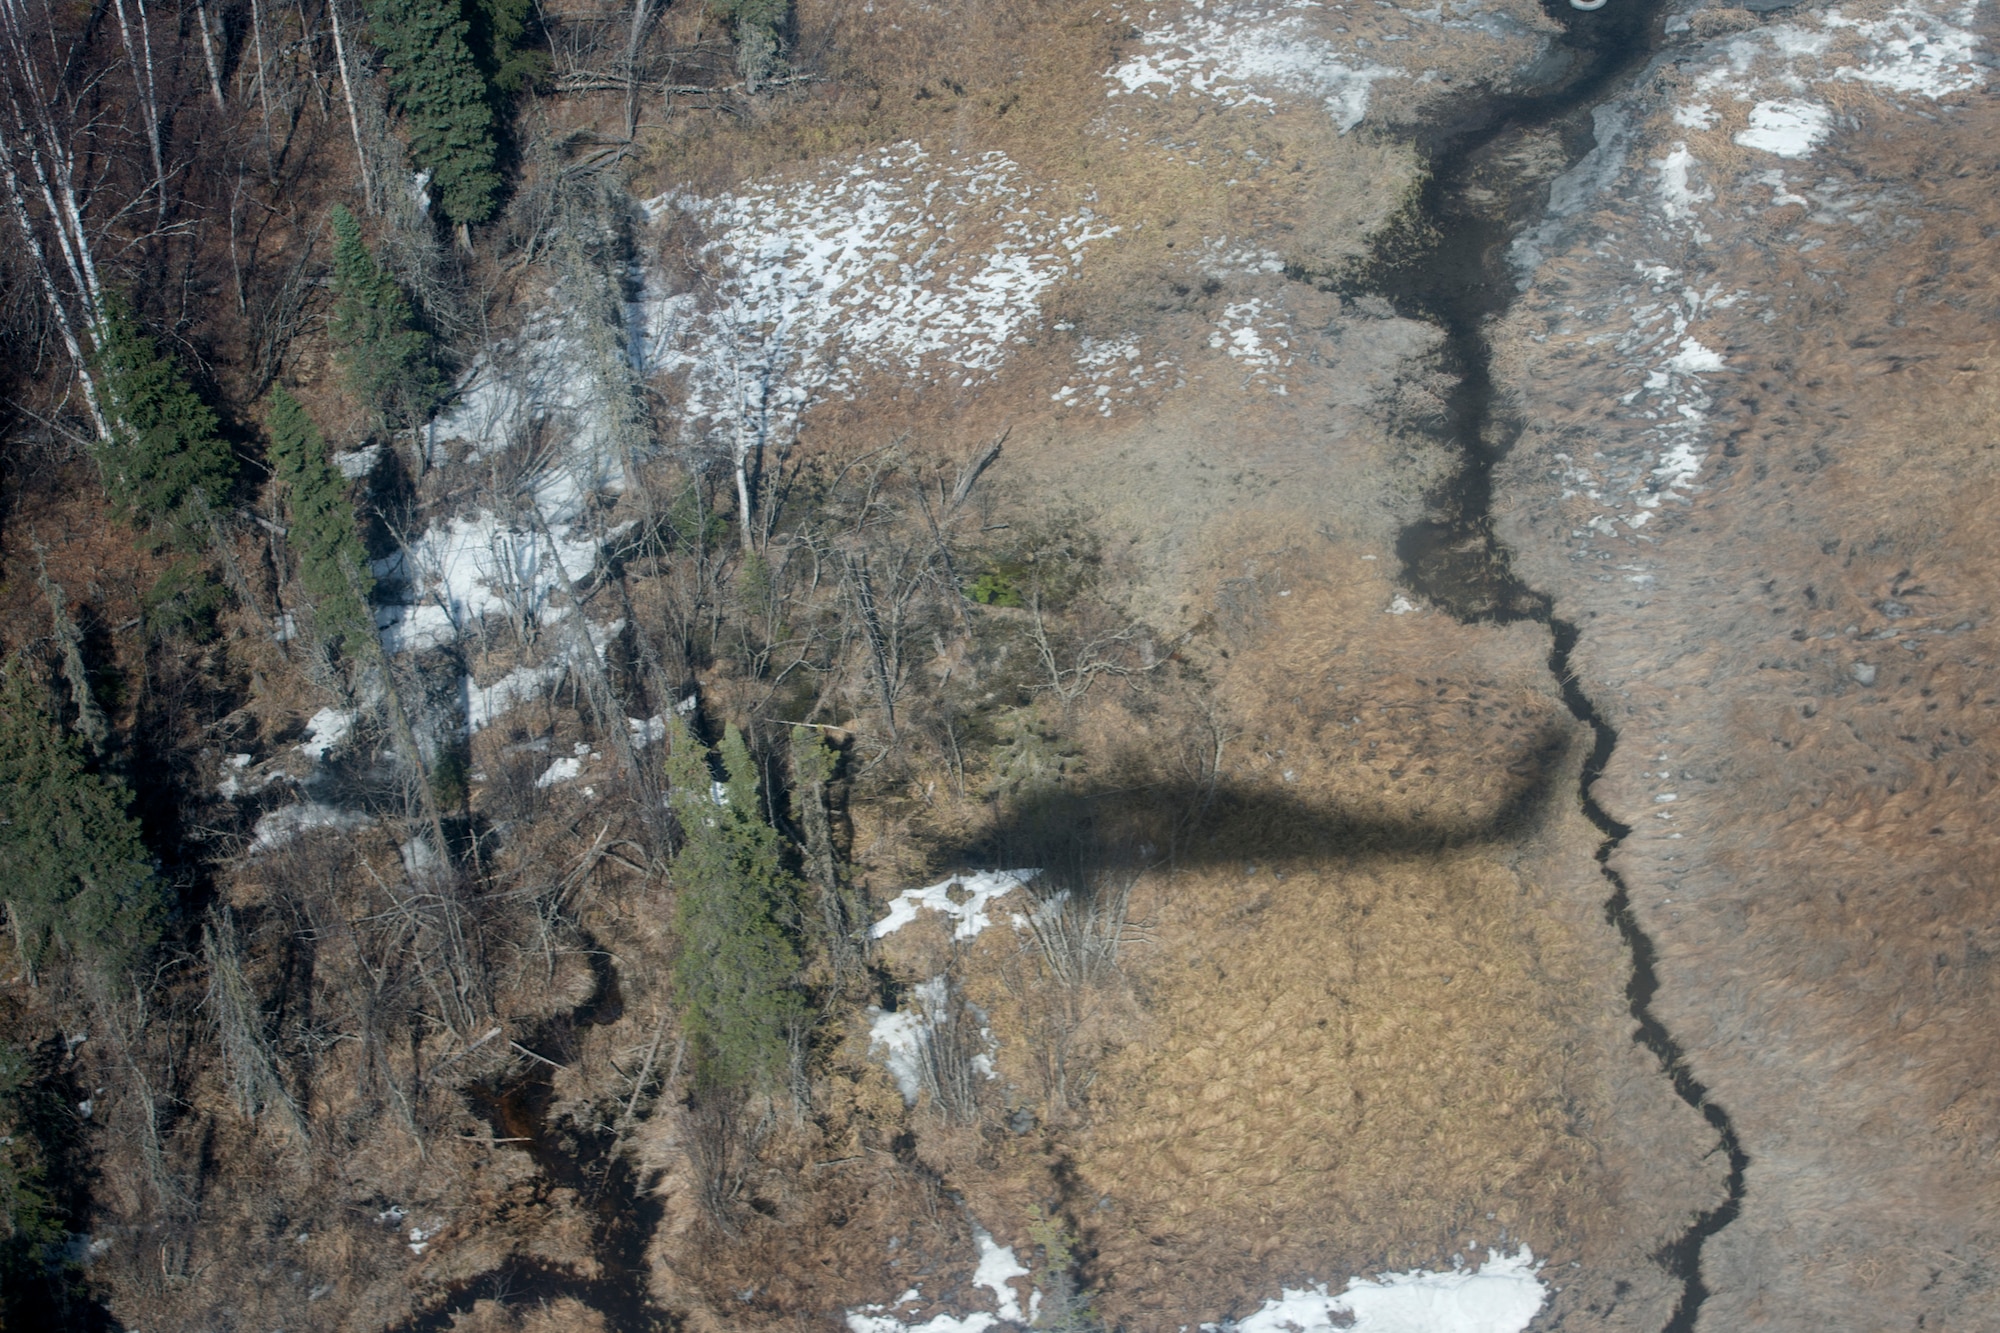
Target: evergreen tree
{"points": [[387, 358], [72, 868], [443, 98], [333, 564], [735, 977], [499, 38], [29, 1220], [166, 467]]}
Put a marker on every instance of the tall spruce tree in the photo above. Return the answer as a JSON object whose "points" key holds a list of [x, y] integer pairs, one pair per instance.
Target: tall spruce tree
{"points": [[736, 977], [165, 467], [443, 97], [388, 359], [333, 564], [500, 41], [73, 870]]}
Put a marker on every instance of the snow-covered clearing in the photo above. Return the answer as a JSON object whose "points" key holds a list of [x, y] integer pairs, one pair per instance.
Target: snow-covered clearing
{"points": [[928, 265], [1250, 55], [451, 575], [961, 896], [1499, 1296]]}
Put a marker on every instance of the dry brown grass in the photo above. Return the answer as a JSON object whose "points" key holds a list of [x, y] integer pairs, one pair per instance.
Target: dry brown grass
{"points": [[1821, 888]]}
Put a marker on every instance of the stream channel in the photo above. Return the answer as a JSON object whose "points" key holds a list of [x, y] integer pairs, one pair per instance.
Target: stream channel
{"points": [[1491, 162]]}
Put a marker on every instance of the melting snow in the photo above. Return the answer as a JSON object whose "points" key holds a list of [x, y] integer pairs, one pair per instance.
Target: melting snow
{"points": [[1500, 1296], [1241, 54], [1678, 200], [1789, 129], [452, 575], [1915, 51], [866, 1320], [997, 1270], [281, 826], [1912, 50], [962, 896], [927, 265], [1257, 337], [897, 1039], [485, 703], [357, 463], [562, 770], [328, 728]]}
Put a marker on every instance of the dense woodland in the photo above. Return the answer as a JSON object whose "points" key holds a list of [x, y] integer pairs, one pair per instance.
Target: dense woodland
{"points": [[251, 251]]}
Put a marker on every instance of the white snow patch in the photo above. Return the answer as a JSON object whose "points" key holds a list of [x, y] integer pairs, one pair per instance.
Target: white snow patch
{"points": [[484, 703], [454, 574], [1243, 54], [1114, 371], [1693, 358], [357, 463], [1501, 1295], [328, 728], [231, 785], [419, 856], [563, 379], [997, 1270], [281, 826], [865, 1320], [1257, 336], [1695, 116], [646, 730], [564, 769], [1915, 51], [929, 266], [1678, 200], [962, 896], [1788, 129], [898, 1039]]}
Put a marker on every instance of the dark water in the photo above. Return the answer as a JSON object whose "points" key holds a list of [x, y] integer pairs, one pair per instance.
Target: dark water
{"points": [[613, 1192], [1490, 166]]}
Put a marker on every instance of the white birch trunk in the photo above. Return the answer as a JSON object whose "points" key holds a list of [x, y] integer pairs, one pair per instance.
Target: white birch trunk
{"points": [[142, 80], [353, 116], [208, 54]]}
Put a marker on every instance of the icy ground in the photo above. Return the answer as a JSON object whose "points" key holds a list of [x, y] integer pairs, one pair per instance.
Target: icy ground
{"points": [[963, 897], [1249, 55], [1499, 1296], [928, 265], [1758, 90]]}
